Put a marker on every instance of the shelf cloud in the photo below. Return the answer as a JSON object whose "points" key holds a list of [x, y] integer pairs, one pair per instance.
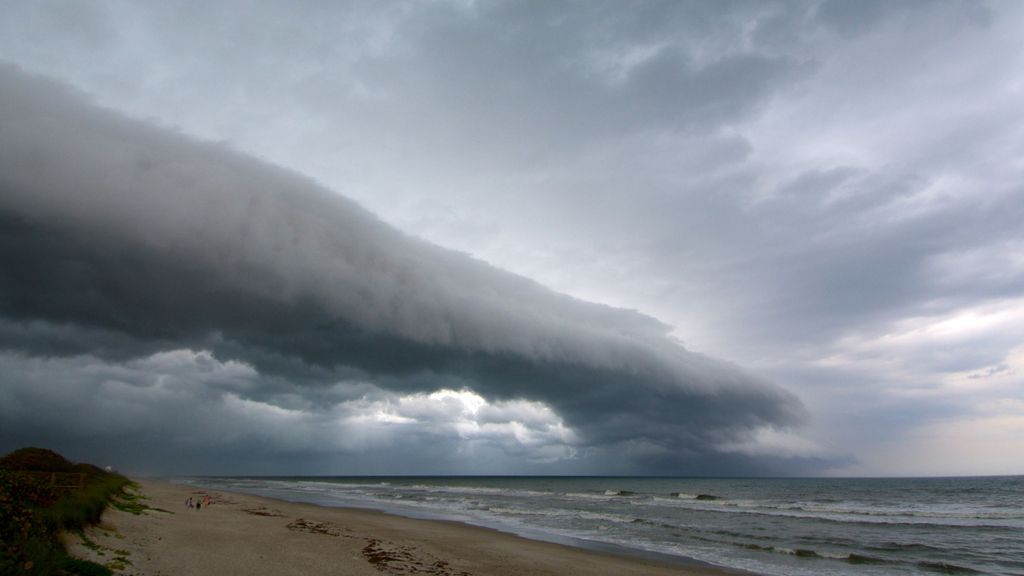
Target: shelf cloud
{"points": [[126, 245]]}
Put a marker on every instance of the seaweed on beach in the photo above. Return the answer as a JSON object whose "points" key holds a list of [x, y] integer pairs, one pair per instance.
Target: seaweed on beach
{"points": [[393, 559], [313, 527], [262, 511]]}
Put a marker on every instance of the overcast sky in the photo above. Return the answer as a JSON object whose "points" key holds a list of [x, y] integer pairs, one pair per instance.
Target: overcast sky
{"points": [[514, 237]]}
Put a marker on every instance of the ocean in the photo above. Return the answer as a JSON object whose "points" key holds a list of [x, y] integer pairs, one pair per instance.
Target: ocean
{"points": [[776, 527]]}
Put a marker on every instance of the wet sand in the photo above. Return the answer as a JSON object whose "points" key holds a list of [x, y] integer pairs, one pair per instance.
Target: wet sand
{"points": [[250, 535]]}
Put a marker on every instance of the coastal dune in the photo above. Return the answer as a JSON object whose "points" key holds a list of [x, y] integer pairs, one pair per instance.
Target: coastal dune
{"points": [[251, 535]]}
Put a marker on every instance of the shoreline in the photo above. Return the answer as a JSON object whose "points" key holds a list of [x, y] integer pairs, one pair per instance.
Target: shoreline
{"points": [[242, 533], [535, 535]]}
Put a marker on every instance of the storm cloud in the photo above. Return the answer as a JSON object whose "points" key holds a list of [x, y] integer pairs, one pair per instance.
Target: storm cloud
{"points": [[126, 246], [826, 192]]}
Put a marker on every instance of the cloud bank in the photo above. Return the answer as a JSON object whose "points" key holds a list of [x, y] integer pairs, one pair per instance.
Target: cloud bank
{"points": [[126, 246], [827, 192]]}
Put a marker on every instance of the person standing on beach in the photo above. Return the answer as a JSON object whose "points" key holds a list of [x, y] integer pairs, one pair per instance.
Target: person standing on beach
{"points": [[199, 504]]}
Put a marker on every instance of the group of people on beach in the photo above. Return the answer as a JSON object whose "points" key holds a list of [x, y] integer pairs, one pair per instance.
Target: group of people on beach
{"points": [[198, 503]]}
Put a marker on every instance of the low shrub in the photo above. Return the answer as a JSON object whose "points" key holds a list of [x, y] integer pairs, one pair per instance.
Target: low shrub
{"points": [[34, 511]]}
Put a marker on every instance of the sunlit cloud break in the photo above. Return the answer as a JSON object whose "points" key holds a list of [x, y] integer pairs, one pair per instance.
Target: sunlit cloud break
{"points": [[125, 244]]}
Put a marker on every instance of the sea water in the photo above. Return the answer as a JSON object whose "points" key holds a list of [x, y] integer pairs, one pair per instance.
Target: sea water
{"points": [[784, 527]]}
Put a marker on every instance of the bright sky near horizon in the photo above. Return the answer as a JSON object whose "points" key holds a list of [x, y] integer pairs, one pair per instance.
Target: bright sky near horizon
{"points": [[828, 194]]}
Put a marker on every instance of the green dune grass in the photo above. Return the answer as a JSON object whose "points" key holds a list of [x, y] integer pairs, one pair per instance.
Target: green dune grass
{"points": [[43, 494]]}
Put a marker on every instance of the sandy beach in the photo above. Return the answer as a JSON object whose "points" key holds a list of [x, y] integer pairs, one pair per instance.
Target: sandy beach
{"points": [[243, 534]]}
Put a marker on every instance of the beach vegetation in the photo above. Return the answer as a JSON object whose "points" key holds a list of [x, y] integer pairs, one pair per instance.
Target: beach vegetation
{"points": [[130, 501], [42, 494]]}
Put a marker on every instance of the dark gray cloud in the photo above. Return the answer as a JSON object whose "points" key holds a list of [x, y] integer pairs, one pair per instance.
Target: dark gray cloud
{"points": [[827, 192], [119, 239]]}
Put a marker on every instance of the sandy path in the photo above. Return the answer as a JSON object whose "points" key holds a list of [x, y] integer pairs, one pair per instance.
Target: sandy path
{"points": [[250, 535]]}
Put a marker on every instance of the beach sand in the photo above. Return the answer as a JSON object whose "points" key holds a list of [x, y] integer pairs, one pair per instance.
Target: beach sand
{"points": [[243, 534]]}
